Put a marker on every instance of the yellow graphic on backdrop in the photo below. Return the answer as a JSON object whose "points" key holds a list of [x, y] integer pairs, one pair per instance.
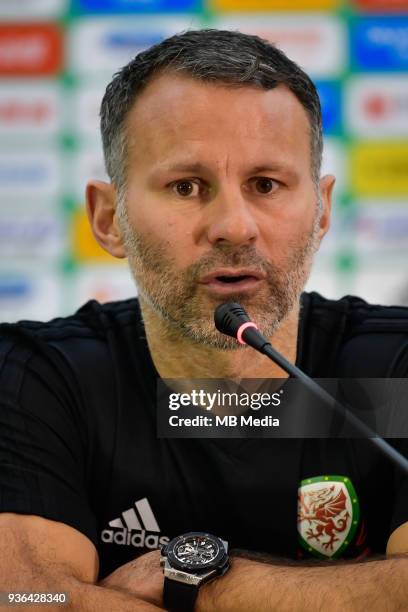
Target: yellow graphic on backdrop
{"points": [[379, 169], [264, 5], [85, 247]]}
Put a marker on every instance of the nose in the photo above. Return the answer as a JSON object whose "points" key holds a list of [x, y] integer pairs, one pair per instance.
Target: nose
{"points": [[230, 219]]}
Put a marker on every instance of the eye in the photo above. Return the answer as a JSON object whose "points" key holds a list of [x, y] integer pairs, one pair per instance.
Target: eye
{"points": [[186, 188], [263, 184]]}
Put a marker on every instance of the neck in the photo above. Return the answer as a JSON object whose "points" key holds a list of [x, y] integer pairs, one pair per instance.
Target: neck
{"points": [[175, 356]]}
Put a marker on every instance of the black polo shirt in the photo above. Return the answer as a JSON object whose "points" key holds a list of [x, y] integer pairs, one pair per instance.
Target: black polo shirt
{"points": [[78, 442]]}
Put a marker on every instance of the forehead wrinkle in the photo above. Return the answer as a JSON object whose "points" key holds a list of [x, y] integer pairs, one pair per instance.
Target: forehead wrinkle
{"points": [[196, 103], [265, 126]]}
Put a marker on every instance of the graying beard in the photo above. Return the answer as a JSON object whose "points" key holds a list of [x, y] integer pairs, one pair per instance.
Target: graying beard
{"points": [[191, 332]]}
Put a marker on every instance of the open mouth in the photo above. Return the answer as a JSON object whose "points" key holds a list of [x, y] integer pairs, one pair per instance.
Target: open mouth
{"points": [[234, 279], [225, 283]]}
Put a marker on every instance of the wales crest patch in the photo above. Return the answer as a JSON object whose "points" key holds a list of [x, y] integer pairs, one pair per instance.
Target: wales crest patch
{"points": [[328, 515]]}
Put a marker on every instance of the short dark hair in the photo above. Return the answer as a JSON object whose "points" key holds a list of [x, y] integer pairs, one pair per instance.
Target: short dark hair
{"points": [[216, 56]]}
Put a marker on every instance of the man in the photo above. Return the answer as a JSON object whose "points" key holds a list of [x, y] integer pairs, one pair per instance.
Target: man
{"points": [[213, 144]]}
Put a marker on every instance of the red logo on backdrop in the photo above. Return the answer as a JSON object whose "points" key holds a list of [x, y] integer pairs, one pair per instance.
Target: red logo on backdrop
{"points": [[377, 106], [385, 5], [16, 111], [27, 50]]}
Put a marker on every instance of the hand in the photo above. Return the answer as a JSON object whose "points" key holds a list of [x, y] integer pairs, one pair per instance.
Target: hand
{"points": [[142, 577]]}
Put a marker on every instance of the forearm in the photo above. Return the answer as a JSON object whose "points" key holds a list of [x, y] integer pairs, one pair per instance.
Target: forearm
{"points": [[250, 586], [83, 597], [94, 598]]}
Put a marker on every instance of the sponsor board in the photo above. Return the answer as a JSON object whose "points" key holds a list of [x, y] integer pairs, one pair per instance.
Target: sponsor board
{"points": [[29, 108], [84, 245], [87, 163], [133, 6], [329, 94], [31, 236], [316, 42], [30, 49], [324, 282], [334, 162], [27, 295], [377, 106], [379, 169], [381, 225], [104, 284], [285, 5], [86, 103], [380, 43], [30, 174], [382, 5], [381, 282], [103, 46], [25, 10]]}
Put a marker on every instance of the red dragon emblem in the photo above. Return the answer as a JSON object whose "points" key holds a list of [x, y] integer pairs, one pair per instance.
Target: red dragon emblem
{"points": [[325, 511]]}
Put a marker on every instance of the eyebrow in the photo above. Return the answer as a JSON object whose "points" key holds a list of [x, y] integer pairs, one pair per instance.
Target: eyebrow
{"points": [[198, 167]]}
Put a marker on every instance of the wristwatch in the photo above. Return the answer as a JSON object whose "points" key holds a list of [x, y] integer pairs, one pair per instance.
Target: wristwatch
{"points": [[188, 561]]}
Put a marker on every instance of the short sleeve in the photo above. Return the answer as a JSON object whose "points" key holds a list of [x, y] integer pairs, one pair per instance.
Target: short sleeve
{"points": [[42, 438]]}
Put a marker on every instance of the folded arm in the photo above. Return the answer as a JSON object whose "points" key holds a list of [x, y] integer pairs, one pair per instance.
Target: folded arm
{"points": [[250, 586], [378, 586], [42, 556]]}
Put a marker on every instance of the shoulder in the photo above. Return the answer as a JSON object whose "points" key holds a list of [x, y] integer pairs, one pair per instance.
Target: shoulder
{"points": [[93, 320], [67, 345], [366, 339], [358, 311]]}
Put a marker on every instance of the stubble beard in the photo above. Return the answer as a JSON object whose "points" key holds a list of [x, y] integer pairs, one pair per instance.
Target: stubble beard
{"points": [[184, 306]]}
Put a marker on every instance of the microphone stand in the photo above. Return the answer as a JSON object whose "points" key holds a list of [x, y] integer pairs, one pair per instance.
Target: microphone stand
{"points": [[232, 320], [315, 388]]}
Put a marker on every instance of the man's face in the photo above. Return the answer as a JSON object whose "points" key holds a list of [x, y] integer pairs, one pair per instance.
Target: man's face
{"points": [[221, 205]]}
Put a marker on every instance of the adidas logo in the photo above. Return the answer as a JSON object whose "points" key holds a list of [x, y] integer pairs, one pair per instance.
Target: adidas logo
{"points": [[132, 528]]}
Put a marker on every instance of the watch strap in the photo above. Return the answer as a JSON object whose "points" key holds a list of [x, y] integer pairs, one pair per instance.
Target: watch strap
{"points": [[178, 596]]}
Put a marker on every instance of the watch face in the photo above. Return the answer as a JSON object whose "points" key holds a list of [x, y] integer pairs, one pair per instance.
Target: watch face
{"points": [[196, 551]]}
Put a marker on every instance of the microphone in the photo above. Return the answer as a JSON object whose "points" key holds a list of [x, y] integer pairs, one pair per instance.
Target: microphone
{"points": [[232, 320]]}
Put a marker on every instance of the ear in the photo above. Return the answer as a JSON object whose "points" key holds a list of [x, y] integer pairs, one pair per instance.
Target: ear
{"points": [[326, 190], [101, 209]]}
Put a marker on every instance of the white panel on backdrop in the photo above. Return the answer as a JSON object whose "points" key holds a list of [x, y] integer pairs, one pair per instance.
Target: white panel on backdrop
{"points": [[333, 162], [377, 106], [31, 9], [37, 173], [85, 120], [324, 282], [382, 284], [103, 46], [381, 226], [27, 295], [29, 108], [105, 284], [32, 229], [315, 41], [87, 163], [32, 236]]}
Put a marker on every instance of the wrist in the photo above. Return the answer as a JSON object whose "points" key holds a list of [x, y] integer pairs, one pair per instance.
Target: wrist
{"points": [[189, 561], [235, 592]]}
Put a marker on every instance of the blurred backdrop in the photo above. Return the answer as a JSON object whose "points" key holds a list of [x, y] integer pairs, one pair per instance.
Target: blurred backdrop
{"points": [[56, 58]]}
